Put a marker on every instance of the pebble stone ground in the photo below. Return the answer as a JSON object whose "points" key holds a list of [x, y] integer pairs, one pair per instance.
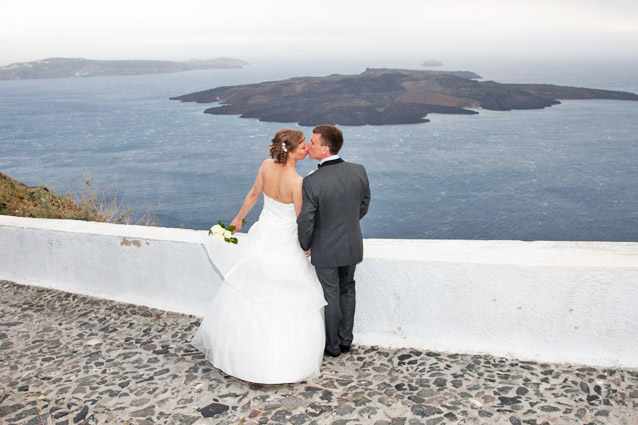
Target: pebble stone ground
{"points": [[71, 359]]}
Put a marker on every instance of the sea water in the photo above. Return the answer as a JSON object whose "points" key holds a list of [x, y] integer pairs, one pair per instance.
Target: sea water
{"points": [[569, 172]]}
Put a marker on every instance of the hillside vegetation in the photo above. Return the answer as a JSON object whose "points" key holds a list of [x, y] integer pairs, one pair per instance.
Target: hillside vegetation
{"points": [[18, 199]]}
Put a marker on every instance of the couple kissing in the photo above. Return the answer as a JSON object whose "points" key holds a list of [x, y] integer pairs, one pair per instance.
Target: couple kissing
{"points": [[277, 313]]}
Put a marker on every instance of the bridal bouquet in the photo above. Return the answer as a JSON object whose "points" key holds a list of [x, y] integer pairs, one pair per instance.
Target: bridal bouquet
{"points": [[223, 233]]}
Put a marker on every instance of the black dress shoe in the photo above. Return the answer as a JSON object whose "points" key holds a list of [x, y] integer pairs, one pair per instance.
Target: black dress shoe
{"points": [[345, 348], [328, 353]]}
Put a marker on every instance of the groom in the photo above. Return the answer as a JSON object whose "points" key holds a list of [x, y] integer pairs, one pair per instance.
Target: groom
{"points": [[335, 198]]}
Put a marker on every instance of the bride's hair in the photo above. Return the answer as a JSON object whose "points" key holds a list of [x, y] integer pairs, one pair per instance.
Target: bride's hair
{"points": [[285, 141]]}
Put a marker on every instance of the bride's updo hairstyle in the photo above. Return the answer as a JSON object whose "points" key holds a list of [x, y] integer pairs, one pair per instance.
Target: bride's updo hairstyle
{"points": [[285, 141]]}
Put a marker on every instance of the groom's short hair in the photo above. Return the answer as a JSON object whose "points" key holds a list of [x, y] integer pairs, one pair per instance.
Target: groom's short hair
{"points": [[331, 136]]}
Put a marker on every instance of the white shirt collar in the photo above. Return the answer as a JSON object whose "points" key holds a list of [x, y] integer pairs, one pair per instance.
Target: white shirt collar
{"points": [[330, 158]]}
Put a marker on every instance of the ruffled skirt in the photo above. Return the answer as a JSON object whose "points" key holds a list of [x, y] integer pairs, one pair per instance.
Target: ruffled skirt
{"points": [[265, 324]]}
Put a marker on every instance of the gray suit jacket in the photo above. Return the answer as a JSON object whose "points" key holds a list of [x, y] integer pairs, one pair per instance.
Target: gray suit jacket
{"points": [[335, 198]]}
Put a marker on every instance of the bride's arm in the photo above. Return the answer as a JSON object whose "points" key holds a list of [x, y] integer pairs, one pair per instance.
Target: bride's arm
{"points": [[251, 199], [297, 197]]}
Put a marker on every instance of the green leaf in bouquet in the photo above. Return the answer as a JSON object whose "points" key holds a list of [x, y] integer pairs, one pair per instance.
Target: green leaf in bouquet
{"points": [[233, 240], [231, 228]]}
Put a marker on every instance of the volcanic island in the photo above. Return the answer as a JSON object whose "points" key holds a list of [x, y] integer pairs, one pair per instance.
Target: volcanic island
{"points": [[384, 97]]}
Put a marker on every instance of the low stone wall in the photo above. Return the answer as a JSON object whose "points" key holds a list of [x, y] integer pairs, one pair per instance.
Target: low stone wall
{"points": [[574, 302]]}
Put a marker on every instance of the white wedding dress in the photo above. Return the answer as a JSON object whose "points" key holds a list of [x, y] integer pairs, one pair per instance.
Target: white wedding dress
{"points": [[265, 324]]}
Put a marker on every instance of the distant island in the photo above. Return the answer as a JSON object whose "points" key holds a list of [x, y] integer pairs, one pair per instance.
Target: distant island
{"points": [[69, 67], [432, 62], [384, 96]]}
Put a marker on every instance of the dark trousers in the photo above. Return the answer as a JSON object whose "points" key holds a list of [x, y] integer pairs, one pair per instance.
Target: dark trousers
{"points": [[340, 294]]}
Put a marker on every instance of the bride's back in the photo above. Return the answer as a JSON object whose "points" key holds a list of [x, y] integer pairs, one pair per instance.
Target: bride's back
{"points": [[279, 181]]}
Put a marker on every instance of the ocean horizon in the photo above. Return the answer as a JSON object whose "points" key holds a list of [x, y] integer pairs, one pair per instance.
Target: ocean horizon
{"points": [[567, 172]]}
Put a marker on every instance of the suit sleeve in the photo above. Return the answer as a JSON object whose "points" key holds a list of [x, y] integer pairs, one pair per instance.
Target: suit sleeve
{"points": [[365, 195], [306, 218]]}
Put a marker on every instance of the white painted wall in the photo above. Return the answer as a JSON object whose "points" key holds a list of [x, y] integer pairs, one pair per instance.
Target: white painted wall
{"points": [[574, 302], [156, 267]]}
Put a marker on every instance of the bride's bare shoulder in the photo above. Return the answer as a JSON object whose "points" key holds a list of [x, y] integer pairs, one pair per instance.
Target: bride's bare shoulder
{"points": [[295, 179], [267, 164]]}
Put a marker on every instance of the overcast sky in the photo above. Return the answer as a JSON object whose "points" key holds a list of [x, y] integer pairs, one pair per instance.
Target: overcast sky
{"points": [[287, 29]]}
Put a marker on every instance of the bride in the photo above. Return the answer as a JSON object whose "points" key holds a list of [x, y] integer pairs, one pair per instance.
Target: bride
{"points": [[265, 324]]}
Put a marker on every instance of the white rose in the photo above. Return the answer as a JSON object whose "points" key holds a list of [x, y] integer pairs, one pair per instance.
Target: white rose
{"points": [[219, 236], [216, 228], [227, 234]]}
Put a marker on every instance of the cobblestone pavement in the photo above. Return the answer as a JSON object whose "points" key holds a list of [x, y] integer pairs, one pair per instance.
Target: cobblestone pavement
{"points": [[70, 359]]}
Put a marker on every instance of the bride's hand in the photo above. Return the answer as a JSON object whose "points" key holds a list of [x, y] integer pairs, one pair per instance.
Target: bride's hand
{"points": [[308, 253], [237, 223]]}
